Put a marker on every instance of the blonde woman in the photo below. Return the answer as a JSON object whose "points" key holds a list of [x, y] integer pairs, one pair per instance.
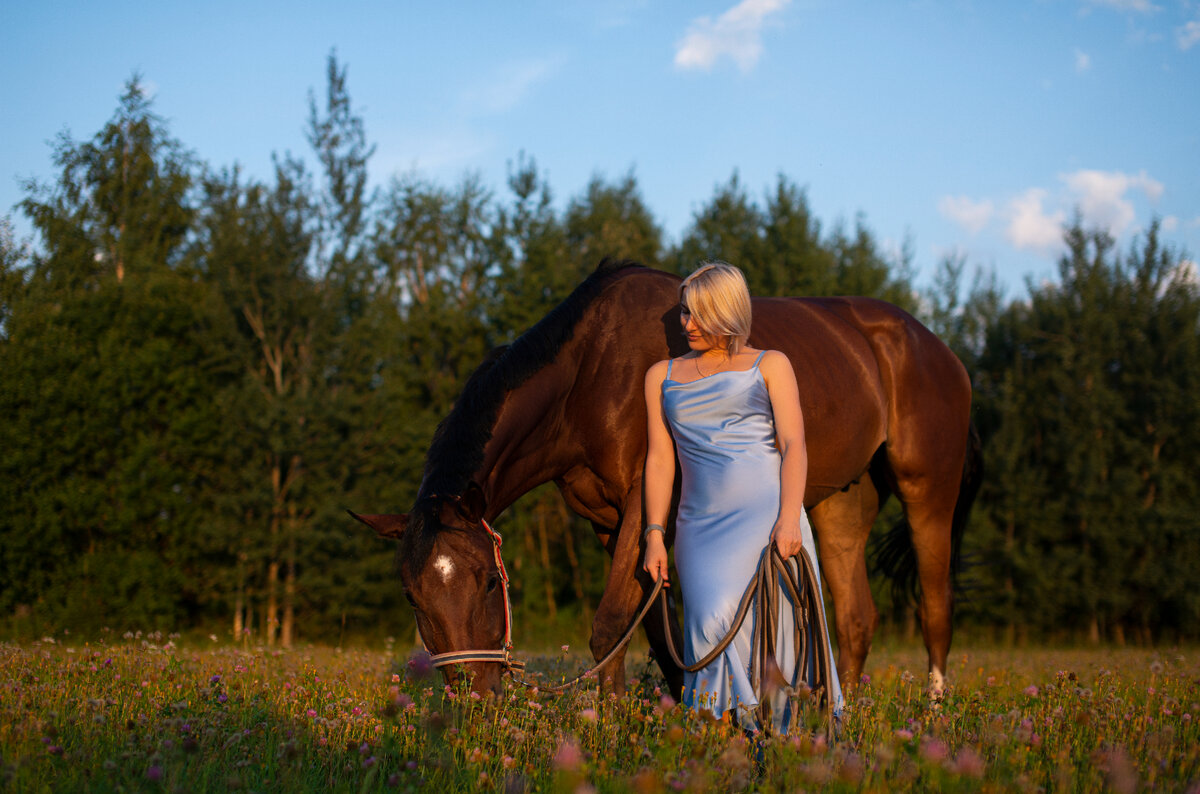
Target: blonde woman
{"points": [[732, 413]]}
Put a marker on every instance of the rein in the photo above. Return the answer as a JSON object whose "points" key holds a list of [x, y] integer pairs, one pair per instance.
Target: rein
{"points": [[800, 581]]}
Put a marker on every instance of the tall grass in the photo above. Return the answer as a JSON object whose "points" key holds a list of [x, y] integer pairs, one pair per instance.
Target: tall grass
{"points": [[147, 715]]}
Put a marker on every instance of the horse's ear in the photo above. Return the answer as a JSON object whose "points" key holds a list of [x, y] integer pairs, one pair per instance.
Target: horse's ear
{"points": [[388, 526], [472, 504]]}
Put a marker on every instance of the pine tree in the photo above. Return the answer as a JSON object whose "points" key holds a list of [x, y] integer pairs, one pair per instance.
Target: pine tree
{"points": [[111, 367]]}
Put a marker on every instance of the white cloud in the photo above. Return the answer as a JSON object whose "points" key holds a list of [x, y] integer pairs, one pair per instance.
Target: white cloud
{"points": [[1101, 196], [737, 33], [508, 86], [1144, 6], [1170, 223], [1083, 61], [972, 215], [444, 153], [1030, 226], [1188, 35]]}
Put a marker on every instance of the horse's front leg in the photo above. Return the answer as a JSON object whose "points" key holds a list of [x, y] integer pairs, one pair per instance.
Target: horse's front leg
{"points": [[622, 595]]}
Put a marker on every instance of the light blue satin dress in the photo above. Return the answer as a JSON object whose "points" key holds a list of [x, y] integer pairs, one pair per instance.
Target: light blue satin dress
{"points": [[724, 433]]}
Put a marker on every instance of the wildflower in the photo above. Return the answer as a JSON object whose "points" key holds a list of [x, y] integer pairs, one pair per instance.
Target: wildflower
{"points": [[566, 648], [588, 715], [154, 774], [1122, 776], [395, 678], [216, 679], [1156, 667], [934, 749], [420, 665], [968, 763], [1031, 691], [508, 762], [567, 756], [864, 679], [903, 734]]}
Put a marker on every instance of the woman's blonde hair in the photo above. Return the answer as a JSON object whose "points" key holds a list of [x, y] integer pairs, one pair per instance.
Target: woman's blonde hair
{"points": [[718, 299]]}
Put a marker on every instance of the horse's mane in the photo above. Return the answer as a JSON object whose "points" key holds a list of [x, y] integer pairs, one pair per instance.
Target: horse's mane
{"points": [[456, 451]]}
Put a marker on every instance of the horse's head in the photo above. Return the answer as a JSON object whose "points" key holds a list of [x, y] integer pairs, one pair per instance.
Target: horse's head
{"points": [[450, 570]]}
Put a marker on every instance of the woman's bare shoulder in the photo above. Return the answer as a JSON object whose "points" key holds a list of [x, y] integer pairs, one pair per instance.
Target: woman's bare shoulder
{"points": [[658, 371], [774, 365], [775, 359]]}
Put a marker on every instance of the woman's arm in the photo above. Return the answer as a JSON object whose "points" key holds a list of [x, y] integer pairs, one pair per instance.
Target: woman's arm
{"points": [[659, 478], [789, 437]]}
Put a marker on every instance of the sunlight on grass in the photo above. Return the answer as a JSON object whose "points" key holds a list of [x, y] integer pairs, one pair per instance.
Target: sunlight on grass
{"points": [[144, 714]]}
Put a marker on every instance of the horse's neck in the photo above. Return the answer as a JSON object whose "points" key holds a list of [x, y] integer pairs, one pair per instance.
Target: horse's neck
{"points": [[528, 446]]}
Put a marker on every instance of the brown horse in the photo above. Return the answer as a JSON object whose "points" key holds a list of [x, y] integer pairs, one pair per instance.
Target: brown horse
{"points": [[886, 407]]}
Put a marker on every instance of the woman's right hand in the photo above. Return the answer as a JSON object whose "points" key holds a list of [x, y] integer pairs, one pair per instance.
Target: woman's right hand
{"points": [[655, 562]]}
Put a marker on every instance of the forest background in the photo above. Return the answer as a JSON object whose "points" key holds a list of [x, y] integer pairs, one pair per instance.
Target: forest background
{"points": [[200, 372]]}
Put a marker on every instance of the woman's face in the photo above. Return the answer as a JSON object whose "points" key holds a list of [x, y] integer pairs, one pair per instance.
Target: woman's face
{"points": [[697, 340]]}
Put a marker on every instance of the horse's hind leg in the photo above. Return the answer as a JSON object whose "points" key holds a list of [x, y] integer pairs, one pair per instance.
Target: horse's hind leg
{"points": [[843, 523], [929, 501]]}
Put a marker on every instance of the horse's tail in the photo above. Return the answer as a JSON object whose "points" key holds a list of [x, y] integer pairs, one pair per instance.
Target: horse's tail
{"points": [[893, 554]]}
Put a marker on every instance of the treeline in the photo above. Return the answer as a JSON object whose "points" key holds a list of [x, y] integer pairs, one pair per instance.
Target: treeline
{"points": [[200, 371]]}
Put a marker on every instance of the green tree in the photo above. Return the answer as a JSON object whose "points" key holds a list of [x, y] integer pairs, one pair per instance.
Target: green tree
{"points": [[111, 365], [728, 228], [611, 220], [1087, 405]]}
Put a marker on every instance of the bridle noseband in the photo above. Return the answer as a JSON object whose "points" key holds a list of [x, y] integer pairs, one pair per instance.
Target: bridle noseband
{"points": [[502, 655]]}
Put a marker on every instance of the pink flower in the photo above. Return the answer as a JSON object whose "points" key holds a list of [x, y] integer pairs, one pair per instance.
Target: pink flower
{"points": [[589, 715], [420, 665], [154, 774], [934, 749], [567, 756], [1031, 691], [904, 735], [968, 763]]}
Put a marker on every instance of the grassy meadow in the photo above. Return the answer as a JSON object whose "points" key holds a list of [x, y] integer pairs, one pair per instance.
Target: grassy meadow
{"points": [[159, 713]]}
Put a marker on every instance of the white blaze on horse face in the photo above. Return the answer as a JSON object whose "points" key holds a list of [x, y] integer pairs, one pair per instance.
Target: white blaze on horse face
{"points": [[445, 567]]}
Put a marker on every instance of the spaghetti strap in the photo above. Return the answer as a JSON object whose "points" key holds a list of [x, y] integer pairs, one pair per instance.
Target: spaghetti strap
{"points": [[670, 361], [761, 353]]}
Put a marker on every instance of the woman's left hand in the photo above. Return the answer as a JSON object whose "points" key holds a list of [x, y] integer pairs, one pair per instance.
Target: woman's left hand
{"points": [[788, 537]]}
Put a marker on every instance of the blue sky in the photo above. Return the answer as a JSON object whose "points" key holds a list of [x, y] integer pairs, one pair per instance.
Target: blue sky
{"points": [[971, 127]]}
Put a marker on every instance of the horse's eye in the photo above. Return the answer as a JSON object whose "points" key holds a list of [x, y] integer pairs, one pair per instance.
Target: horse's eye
{"points": [[408, 597], [493, 583]]}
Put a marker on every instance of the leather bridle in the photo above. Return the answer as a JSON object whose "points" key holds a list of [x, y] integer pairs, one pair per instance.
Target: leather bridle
{"points": [[502, 655]]}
